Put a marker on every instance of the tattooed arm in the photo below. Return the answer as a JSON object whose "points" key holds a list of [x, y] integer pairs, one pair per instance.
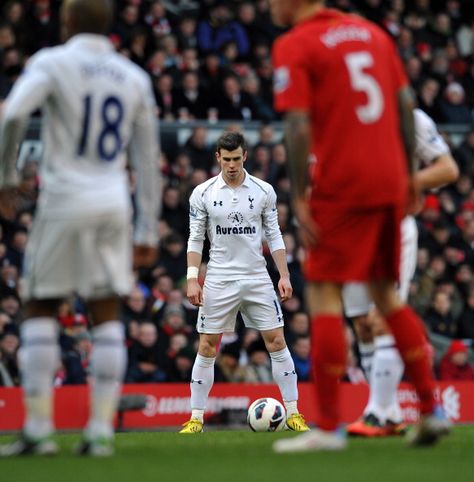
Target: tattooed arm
{"points": [[298, 141]]}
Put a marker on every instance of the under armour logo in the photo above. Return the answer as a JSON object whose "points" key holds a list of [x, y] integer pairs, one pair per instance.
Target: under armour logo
{"points": [[217, 203], [287, 374], [251, 201], [199, 382]]}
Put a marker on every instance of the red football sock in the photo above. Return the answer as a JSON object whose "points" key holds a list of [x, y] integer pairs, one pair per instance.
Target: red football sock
{"points": [[409, 334], [329, 354]]}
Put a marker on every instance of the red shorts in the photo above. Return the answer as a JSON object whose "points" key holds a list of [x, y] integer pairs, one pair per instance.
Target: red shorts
{"points": [[355, 244]]}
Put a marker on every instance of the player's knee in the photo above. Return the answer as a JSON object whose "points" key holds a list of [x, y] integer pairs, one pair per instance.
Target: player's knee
{"points": [[276, 344], [362, 328], [207, 348]]}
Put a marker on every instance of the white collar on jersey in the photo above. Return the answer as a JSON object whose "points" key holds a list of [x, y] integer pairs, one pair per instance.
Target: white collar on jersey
{"points": [[92, 40], [221, 183]]}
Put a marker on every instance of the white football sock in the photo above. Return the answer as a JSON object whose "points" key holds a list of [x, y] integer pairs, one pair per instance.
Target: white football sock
{"points": [[387, 371], [39, 359], [108, 363], [366, 353], [284, 374], [202, 379]]}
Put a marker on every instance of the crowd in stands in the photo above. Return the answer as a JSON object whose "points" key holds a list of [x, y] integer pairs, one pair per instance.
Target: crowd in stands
{"points": [[211, 60]]}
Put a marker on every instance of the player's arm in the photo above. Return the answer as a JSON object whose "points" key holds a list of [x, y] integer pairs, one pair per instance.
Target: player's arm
{"points": [[27, 95], [293, 92], [298, 141], [197, 231], [276, 244], [431, 149], [406, 105], [144, 155], [442, 171]]}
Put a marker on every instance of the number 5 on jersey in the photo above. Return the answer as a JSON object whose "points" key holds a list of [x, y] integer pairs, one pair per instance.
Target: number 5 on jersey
{"points": [[363, 82], [108, 142]]}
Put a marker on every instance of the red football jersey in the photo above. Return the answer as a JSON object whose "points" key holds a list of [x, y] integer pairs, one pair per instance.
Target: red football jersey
{"points": [[345, 72]]}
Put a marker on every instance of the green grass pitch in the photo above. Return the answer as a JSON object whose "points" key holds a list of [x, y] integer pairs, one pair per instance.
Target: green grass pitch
{"points": [[228, 456]]}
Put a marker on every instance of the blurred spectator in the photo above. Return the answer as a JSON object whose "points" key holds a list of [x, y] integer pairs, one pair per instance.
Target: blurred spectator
{"points": [[259, 369], [157, 21], [300, 350], [182, 366], [454, 365], [452, 108], [465, 154], [146, 362], [10, 304], [439, 318], [197, 148], [173, 323], [174, 211], [228, 368], [166, 98], [213, 33], [9, 370], [191, 99], [172, 259], [466, 320], [234, 103], [135, 307]]}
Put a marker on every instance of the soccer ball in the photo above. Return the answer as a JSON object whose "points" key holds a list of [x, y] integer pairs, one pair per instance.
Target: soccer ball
{"points": [[266, 415]]}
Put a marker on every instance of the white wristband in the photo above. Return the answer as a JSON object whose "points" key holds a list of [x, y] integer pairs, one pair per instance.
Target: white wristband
{"points": [[192, 273]]}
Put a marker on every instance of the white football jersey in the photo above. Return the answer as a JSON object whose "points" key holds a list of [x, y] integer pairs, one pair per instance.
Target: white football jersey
{"points": [[95, 104], [235, 221], [429, 144]]}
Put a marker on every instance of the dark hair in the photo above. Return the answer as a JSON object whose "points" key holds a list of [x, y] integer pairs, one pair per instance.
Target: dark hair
{"points": [[92, 16], [230, 141]]}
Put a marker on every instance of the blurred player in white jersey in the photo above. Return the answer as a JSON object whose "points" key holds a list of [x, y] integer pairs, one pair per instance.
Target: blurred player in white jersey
{"points": [[236, 209], [95, 104], [379, 356]]}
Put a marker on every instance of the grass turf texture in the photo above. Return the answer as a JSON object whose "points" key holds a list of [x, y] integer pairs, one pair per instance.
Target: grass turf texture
{"points": [[245, 456]]}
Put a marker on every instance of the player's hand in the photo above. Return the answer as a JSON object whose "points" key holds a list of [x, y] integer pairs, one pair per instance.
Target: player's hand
{"points": [[415, 199], [307, 228], [194, 292], [285, 288], [144, 256]]}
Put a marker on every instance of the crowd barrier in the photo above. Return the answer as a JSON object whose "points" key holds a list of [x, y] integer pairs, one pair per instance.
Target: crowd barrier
{"points": [[168, 404]]}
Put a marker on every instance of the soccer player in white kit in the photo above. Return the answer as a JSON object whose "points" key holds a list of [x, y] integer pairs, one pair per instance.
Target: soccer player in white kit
{"points": [[236, 209], [380, 358], [95, 104]]}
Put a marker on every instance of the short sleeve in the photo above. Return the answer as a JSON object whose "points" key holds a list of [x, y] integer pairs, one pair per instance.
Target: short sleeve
{"points": [[291, 79], [429, 143]]}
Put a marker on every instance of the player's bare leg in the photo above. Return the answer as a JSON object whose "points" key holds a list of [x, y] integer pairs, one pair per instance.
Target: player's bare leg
{"points": [[202, 379], [365, 341], [329, 364], [40, 358], [284, 374], [409, 334], [108, 364]]}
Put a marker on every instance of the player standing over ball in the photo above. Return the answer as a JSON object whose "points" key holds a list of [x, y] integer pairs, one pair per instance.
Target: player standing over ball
{"points": [[383, 416], [95, 103], [348, 109], [235, 209]]}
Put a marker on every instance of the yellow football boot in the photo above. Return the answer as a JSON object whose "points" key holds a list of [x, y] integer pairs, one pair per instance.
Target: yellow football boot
{"points": [[296, 422], [192, 426]]}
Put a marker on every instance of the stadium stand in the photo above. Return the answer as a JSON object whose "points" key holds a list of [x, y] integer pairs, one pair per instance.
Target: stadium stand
{"points": [[211, 69]]}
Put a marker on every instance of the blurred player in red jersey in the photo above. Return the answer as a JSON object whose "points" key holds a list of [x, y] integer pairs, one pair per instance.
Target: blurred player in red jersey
{"points": [[348, 111]]}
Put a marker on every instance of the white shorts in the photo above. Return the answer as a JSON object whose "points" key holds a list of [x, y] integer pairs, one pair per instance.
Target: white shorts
{"points": [[222, 300], [355, 296], [88, 256]]}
